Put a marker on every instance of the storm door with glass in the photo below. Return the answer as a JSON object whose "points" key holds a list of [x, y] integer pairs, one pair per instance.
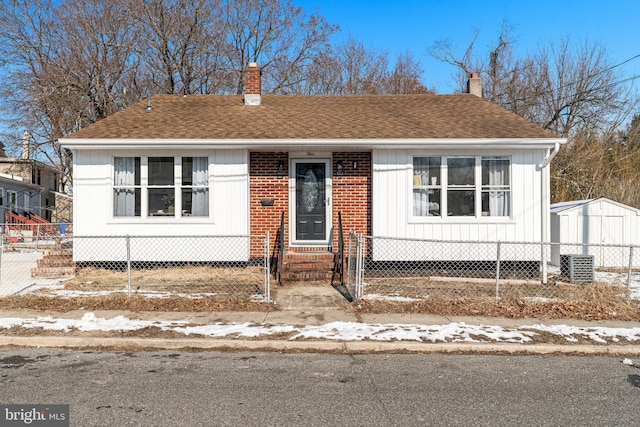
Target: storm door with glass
{"points": [[311, 201]]}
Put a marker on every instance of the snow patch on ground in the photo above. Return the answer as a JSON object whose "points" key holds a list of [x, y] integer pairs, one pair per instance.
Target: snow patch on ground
{"points": [[339, 331]]}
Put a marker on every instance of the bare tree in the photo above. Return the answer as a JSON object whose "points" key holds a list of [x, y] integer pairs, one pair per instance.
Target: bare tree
{"points": [[348, 68], [67, 64], [406, 76], [562, 87], [182, 45], [466, 64], [276, 34]]}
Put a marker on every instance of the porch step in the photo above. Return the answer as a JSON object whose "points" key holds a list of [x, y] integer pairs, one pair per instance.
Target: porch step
{"points": [[55, 263], [307, 265], [53, 271]]}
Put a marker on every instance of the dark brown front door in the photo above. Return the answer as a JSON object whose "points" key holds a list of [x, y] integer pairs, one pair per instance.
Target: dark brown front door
{"points": [[311, 209]]}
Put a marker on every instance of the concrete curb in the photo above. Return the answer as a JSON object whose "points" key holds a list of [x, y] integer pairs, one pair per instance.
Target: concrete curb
{"points": [[346, 347]]}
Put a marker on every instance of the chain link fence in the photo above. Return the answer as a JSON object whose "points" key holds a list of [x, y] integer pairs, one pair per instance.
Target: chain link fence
{"points": [[151, 266], [23, 247], [408, 269]]}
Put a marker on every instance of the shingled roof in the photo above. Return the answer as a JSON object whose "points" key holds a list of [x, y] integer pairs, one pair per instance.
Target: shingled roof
{"points": [[313, 117]]}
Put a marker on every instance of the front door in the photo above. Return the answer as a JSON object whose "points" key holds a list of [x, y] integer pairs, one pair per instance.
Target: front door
{"points": [[311, 201]]}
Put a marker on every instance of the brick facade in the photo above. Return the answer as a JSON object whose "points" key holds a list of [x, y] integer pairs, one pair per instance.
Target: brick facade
{"points": [[351, 193], [267, 184]]}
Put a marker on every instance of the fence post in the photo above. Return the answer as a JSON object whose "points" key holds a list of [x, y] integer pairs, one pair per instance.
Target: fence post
{"points": [[1, 252], [267, 267], [128, 264], [543, 260], [359, 262], [498, 271], [630, 269]]}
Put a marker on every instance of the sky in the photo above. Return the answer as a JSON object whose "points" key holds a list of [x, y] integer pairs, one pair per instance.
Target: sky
{"points": [[414, 25]]}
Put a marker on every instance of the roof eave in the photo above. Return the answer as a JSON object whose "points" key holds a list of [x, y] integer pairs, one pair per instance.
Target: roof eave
{"points": [[364, 143]]}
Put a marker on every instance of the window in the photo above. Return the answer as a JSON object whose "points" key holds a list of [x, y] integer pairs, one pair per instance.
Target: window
{"points": [[160, 191], [461, 186], [195, 186], [12, 197], [2, 197], [495, 186], [126, 186], [426, 186]]}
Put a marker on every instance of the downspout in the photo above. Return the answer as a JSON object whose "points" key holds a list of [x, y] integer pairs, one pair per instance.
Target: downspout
{"points": [[544, 206]]}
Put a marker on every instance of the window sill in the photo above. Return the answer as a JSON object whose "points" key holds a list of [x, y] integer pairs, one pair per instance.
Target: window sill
{"points": [[461, 220], [161, 219]]}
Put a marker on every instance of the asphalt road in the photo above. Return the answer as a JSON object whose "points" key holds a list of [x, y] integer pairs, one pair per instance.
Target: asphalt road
{"points": [[269, 389]]}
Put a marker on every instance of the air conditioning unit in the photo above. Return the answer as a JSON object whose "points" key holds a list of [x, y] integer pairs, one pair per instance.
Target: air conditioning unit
{"points": [[578, 268]]}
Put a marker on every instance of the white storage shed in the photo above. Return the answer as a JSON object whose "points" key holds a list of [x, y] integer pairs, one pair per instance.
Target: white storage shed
{"points": [[594, 227]]}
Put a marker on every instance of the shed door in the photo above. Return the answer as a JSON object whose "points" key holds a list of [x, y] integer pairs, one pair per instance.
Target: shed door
{"points": [[604, 230], [311, 201]]}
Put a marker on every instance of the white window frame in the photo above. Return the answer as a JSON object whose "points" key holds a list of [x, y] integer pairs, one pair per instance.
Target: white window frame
{"points": [[177, 186], [442, 184]]}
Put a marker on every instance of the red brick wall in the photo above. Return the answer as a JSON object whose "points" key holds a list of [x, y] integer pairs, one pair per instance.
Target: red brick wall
{"points": [[265, 182], [351, 193]]}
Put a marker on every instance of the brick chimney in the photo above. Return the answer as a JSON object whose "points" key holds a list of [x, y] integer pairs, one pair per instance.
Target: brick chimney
{"points": [[252, 81], [474, 85]]}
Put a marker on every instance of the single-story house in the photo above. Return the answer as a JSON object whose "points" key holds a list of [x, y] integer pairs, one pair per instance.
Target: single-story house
{"points": [[591, 227], [454, 167]]}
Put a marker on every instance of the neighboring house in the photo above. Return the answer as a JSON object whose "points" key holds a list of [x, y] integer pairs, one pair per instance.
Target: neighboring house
{"points": [[453, 167], [18, 196], [18, 200], [34, 172], [590, 227]]}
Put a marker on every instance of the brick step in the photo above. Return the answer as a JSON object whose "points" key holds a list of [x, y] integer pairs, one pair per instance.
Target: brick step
{"points": [[299, 266], [308, 257], [53, 271], [56, 262], [311, 265], [56, 256], [306, 275], [59, 253]]}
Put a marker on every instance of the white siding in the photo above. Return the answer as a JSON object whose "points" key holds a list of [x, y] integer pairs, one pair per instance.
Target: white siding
{"points": [[93, 207], [392, 198], [596, 222]]}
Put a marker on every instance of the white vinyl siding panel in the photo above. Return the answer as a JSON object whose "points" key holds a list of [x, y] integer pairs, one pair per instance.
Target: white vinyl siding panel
{"points": [[392, 199], [93, 184]]}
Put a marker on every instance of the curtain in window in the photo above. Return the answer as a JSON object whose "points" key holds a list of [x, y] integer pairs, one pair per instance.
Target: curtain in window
{"points": [[498, 177], [200, 191], [125, 198], [420, 196]]}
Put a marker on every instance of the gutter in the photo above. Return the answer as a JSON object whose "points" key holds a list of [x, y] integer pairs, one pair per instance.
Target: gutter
{"points": [[551, 155], [545, 208]]}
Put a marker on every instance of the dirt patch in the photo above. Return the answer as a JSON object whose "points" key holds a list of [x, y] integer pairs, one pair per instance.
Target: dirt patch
{"points": [[239, 282], [133, 303], [589, 302]]}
